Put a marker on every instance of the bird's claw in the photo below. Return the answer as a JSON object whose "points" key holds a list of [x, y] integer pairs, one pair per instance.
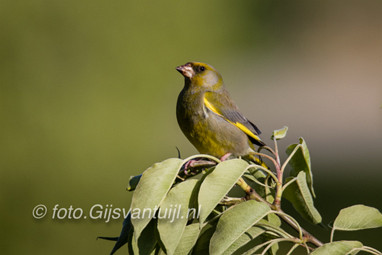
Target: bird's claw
{"points": [[193, 166], [225, 156]]}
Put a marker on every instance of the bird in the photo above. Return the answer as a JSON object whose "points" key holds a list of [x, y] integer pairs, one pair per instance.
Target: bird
{"points": [[210, 119]]}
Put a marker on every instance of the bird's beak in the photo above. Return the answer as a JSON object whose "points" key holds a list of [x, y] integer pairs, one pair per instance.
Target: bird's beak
{"points": [[186, 70]]}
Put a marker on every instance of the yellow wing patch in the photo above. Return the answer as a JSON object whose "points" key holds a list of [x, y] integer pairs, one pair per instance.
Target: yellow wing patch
{"points": [[237, 124], [246, 130], [211, 107]]}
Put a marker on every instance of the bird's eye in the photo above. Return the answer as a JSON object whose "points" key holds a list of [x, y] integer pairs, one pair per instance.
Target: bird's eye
{"points": [[202, 68]]}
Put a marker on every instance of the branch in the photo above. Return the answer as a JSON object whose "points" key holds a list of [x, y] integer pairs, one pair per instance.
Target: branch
{"points": [[307, 236], [253, 195]]}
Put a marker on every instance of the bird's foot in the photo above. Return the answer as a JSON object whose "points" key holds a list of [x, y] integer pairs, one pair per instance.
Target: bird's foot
{"points": [[189, 164], [193, 166], [231, 200], [226, 156]]}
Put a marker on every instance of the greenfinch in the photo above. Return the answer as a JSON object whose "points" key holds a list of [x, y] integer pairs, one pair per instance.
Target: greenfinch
{"points": [[209, 118]]}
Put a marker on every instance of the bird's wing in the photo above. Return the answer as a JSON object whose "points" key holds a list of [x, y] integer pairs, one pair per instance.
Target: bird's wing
{"points": [[220, 104]]}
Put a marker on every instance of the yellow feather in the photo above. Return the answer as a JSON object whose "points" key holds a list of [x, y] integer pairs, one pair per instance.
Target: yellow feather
{"points": [[237, 124], [246, 130], [211, 107]]}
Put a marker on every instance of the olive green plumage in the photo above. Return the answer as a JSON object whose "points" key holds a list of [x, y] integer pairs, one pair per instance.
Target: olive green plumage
{"points": [[209, 118]]}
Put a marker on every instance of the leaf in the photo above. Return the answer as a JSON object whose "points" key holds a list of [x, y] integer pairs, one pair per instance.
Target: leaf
{"points": [[218, 183], [188, 239], [269, 193], [248, 248], [271, 229], [174, 209], [203, 242], [133, 182], [147, 240], [125, 232], [300, 161], [159, 251], [279, 133], [358, 217], [274, 220], [133, 247], [337, 248], [260, 246], [253, 176], [248, 236], [274, 248], [299, 195], [234, 222], [152, 188], [123, 238]]}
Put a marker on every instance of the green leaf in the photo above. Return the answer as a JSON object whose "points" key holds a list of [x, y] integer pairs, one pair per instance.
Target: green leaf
{"points": [[272, 229], [274, 220], [174, 213], [147, 240], [132, 245], [358, 217], [234, 222], [159, 251], [217, 184], [203, 243], [337, 248], [248, 246], [256, 247], [188, 239], [299, 195], [269, 194], [133, 182], [253, 176], [279, 133], [127, 229], [248, 236], [194, 195], [300, 161], [152, 188], [274, 248]]}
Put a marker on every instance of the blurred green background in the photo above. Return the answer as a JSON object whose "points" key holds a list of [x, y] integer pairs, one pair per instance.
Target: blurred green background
{"points": [[88, 92]]}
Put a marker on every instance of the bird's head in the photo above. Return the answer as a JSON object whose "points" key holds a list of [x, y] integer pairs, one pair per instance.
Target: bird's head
{"points": [[200, 75]]}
